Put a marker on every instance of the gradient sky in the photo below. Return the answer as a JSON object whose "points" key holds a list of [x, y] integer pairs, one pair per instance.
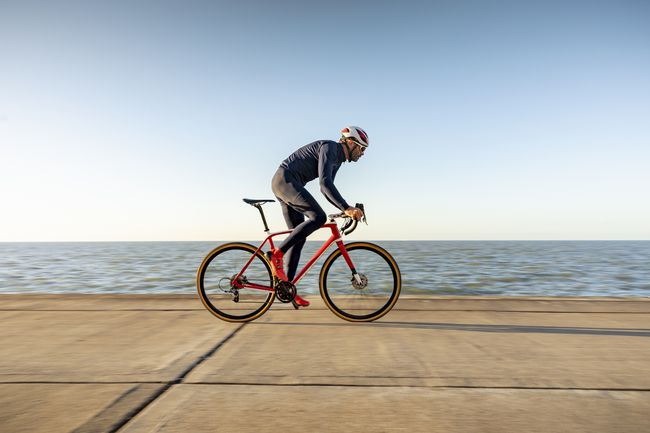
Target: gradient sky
{"points": [[150, 120]]}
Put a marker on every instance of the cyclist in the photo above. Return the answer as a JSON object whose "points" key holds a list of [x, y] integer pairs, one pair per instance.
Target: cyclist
{"points": [[320, 159]]}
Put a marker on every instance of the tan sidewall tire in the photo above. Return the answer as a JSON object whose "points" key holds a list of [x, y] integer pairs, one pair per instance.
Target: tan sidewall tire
{"points": [[201, 272], [382, 252]]}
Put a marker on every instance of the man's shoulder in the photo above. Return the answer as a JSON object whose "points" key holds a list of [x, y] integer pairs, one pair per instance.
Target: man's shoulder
{"points": [[331, 151], [320, 143], [329, 145], [318, 147]]}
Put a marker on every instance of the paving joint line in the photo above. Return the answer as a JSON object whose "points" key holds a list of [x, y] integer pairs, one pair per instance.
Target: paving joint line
{"points": [[330, 385], [83, 382], [156, 395], [168, 384]]}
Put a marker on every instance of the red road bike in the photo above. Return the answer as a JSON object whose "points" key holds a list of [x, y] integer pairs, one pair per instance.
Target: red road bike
{"points": [[359, 281]]}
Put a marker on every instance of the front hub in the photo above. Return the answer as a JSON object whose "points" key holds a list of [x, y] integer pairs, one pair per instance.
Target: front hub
{"points": [[359, 281]]}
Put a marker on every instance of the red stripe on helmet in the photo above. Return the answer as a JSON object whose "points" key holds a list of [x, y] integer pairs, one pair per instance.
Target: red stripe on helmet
{"points": [[363, 135]]}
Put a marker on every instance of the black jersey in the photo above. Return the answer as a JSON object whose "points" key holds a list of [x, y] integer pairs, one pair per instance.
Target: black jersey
{"points": [[320, 159]]}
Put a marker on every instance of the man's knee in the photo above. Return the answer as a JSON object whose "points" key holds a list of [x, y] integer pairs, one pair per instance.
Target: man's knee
{"points": [[318, 217]]}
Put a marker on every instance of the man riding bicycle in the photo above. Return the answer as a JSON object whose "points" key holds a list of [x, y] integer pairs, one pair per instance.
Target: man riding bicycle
{"points": [[320, 159]]}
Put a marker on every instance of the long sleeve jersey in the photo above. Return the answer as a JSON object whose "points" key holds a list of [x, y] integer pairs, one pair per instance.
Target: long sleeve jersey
{"points": [[320, 159]]}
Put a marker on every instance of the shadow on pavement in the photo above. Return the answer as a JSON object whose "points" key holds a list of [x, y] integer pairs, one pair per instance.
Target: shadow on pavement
{"points": [[624, 332]]}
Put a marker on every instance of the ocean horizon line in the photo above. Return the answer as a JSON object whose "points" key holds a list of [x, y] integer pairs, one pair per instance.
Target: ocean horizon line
{"points": [[321, 240]]}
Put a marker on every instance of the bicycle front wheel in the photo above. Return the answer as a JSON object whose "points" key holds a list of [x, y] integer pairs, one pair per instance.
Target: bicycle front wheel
{"points": [[229, 293], [367, 297]]}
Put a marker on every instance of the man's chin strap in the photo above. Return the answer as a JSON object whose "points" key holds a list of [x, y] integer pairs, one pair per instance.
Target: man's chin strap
{"points": [[347, 158]]}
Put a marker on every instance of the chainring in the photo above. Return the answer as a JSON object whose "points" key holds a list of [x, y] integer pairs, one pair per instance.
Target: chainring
{"points": [[285, 291]]}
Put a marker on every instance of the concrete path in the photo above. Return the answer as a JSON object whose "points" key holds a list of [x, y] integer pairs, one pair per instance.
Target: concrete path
{"points": [[164, 364]]}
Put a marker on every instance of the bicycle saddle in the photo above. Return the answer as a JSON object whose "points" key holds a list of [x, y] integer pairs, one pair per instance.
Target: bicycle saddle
{"points": [[254, 202]]}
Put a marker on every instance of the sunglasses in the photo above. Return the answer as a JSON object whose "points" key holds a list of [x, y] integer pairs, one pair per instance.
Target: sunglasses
{"points": [[362, 146]]}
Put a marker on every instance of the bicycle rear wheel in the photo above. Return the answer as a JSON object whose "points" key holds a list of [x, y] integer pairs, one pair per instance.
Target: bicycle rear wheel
{"points": [[215, 282], [371, 297]]}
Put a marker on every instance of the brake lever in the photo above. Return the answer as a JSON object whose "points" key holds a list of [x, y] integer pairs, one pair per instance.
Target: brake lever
{"points": [[360, 206], [346, 230], [346, 225]]}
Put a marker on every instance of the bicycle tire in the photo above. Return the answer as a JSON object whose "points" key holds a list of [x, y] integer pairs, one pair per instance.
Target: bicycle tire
{"points": [[361, 304], [215, 268]]}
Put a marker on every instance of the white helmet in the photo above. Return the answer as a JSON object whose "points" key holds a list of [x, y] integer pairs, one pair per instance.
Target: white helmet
{"points": [[357, 134]]}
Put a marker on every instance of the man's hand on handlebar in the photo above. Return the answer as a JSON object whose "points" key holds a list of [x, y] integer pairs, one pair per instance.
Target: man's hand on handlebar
{"points": [[354, 212]]}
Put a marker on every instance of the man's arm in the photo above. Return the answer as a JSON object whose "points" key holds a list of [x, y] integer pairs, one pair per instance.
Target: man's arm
{"points": [[326, 161]]}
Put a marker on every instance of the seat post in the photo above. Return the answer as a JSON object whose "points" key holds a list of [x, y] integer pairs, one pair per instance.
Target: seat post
{"points": [[266, 227]]}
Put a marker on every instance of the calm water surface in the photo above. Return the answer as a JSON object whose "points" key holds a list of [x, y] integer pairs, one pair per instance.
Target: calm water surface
{"points": [[532, 268]]}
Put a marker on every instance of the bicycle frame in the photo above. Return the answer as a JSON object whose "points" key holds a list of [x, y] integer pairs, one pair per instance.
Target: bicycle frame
{"points": [[334, 238]]}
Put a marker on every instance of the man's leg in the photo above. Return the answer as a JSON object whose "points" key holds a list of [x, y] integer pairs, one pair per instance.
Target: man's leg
{"points": [[304, 203], [293, 218], [296, 201]]}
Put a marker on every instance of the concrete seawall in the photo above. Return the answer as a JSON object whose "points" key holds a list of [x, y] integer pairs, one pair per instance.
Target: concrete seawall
{"points": [[157, 363]]}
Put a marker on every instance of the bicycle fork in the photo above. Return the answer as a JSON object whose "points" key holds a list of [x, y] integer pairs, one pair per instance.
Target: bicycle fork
{"points": [[356, 278]]}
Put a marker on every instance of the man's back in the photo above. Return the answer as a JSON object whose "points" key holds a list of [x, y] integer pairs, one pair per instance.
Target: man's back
{"points": [[315, 159]]}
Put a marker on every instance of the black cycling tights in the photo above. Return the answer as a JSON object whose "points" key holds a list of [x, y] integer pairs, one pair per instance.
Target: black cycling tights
{"points": [[297, 203]]}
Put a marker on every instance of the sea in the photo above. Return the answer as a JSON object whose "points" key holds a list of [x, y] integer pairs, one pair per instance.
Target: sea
{"points": [[505, 268]]}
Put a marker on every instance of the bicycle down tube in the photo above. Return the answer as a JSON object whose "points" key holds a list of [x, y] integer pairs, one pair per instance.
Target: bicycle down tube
{"points": [[335, 238]]}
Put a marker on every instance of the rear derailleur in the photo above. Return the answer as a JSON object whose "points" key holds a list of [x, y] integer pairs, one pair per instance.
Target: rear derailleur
{"points": [[233, 287]]}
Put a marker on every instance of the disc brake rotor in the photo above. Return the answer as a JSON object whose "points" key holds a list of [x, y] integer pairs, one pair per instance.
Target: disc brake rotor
{"points": [[361, 283]]}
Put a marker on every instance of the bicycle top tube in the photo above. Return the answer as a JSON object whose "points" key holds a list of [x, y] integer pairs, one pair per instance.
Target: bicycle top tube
{"points": [[330, 225], [335, 237]]}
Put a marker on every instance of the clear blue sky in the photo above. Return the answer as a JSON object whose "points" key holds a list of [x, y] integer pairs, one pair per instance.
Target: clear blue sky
{"points": [[150, 120]]}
